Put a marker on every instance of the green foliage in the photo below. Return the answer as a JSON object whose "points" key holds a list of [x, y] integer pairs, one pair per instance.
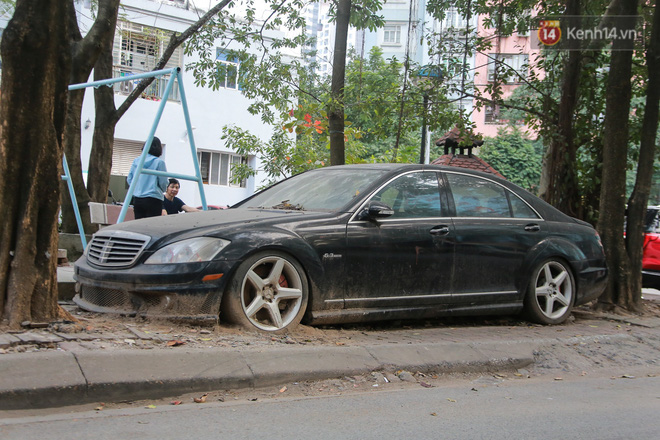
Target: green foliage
{"points": [[281, 156], [517, 158]]}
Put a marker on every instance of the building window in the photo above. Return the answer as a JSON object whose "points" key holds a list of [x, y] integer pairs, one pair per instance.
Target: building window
{"points": [[508, 68], [217, 168], [137, 49], [229, 74], [454, 19], [492, 114], [392, 34]]}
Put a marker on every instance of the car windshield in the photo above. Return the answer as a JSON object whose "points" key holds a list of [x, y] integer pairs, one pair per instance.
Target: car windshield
{"points": [[323, 190]]}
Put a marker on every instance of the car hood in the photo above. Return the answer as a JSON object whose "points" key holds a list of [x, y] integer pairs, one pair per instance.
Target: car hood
{"points": [[191, 224]]}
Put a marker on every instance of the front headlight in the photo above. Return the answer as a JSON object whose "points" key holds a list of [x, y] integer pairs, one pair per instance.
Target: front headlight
{"points": [[192, 250]]}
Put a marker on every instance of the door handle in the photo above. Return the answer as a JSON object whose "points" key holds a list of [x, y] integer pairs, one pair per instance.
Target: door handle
{"points": [[440, 230], [532, 228]]}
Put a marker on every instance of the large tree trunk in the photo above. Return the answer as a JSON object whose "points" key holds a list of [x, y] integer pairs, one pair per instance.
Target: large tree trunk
{"points": [[615, 152], [36, 60], [105, 120], [559, 177], [640, 195], [85, 53], [336, 110]]}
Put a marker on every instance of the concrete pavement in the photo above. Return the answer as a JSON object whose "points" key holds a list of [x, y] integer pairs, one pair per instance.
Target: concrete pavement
{"points": [[57, 366], [68, 369], [59, 378]]}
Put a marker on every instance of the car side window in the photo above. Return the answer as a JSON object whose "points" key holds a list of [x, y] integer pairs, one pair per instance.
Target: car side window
{"points": [[414, 195], [475, 197], [521, 209]]}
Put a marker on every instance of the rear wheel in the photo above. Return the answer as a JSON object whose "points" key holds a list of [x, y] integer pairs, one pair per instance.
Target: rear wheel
{"points": [[551, 293], [269, 291]]}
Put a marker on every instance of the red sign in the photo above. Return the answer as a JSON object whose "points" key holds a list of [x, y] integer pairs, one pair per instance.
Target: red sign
{"points": [[549, 32]]}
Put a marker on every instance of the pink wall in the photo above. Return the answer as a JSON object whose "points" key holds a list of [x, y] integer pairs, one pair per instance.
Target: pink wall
{"points": [[514, 45]]}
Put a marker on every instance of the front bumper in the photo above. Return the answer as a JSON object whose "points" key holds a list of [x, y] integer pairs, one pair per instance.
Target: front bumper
{"points": [[164, 291]]}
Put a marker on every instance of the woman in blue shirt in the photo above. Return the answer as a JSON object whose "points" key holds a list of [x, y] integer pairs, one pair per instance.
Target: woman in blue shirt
{"points": [[148, 193]]}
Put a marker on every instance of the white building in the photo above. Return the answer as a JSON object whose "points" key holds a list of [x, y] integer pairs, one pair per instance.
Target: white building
{"points": [[137, 47]]}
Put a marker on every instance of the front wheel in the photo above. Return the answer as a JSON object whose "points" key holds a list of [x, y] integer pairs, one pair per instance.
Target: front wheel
{"points": [[269, 291], [550, 294]]}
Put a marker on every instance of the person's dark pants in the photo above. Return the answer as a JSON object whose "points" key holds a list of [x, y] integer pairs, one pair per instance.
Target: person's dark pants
{"points": [[144, 207]]}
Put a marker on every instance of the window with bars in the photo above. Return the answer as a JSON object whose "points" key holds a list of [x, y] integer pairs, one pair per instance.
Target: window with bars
{"points": [[217, 168], [137, 49], [392, 34], [492, 114], [508, 68]]}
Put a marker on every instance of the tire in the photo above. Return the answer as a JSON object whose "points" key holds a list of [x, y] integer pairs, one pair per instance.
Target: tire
{"points": [[550, 294], [269, 291]]}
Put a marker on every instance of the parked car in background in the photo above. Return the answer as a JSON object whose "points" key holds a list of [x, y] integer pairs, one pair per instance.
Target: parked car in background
{"points": [[651, 256], [351, 244]]}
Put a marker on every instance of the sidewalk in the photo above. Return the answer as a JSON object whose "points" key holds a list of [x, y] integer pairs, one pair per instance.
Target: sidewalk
{"points": [[106, 359], [132, 362]]}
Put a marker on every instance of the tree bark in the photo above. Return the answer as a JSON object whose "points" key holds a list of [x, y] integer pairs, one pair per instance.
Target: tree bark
{"points": [[615, 152], [640, 195], [105, 120], [85, 52], [35, 74], [558, 184], [336, 110]]}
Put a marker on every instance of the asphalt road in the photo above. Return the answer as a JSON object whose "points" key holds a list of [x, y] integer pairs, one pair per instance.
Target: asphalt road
{"points": [[605, 407]]}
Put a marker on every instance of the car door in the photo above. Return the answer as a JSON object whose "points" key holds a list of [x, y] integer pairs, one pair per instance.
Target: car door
{"points": [[406, 258], [495, 229]]}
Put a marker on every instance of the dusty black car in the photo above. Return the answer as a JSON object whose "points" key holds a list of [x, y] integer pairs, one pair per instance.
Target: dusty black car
{"points": [[349, 244]]}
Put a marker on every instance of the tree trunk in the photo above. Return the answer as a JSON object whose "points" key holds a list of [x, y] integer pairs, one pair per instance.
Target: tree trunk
{"points": [[85, 53], [336, 110], [105, 120], [36, 60], [559, 177], [615, 152], [640, 195]]}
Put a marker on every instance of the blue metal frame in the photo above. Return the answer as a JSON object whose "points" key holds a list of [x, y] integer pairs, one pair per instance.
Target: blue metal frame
{"points": [[175, 74]]}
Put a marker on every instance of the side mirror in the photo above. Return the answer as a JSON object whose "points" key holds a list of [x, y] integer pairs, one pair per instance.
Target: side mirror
{"points": [[376, 210]]}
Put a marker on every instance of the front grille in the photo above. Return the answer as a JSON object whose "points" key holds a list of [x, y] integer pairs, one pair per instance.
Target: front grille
{"points": [[106, 297], [116, 248]]}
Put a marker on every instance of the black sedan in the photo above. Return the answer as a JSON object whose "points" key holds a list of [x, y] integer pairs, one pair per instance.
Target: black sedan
{"points": [[351, 244]]}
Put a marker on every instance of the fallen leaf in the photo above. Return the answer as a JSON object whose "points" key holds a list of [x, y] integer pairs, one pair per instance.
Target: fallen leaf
{"points": [[340, 343], [150, 406], [174, 343], [201, 399], [451, 400], [176, 402], [434, 414], [283, 389]]}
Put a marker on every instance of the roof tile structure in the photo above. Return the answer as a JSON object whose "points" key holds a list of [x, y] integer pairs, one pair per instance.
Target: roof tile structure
{"points": [[469, 161], [453, 140]]}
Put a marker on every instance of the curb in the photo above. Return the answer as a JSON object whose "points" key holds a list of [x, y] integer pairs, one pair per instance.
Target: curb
{"points": [[52, 379]]}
